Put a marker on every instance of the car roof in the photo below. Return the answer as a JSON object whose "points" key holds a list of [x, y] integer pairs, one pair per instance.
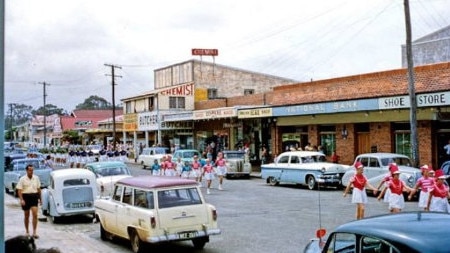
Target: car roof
{"points": [[302, 153], [383, 155], [424, 231], [152, 182], [72, 173], [106, 164]]}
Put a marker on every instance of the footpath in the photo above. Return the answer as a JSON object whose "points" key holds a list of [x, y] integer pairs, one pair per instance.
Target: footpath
{"points": [[49, 235]]}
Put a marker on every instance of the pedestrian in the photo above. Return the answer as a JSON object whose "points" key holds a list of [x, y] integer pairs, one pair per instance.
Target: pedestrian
{"points": [[48, 162], [29, 192], [196, 170], [425, 183], [359, 195], [439, 195], [185, 170], [397, 187], [156, 168], [221, 165], [208, 175], [335, 157]]}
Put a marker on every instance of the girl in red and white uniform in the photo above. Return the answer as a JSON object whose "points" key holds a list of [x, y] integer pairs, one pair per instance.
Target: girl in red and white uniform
{"points": [[208, 174], [425, 183], [386, 179], [396, 199], [359, 195], [196, 170], [437, 199], [221, 165], [169, 167]]}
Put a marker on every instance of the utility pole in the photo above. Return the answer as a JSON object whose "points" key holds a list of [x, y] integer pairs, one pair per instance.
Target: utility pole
{"points": [[11, 121], [44, 85], [411, 89], [113, 83]]}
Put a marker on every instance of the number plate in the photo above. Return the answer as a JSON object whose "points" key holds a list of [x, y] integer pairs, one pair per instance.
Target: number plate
{"points": [[187, 235], [78, 205]]}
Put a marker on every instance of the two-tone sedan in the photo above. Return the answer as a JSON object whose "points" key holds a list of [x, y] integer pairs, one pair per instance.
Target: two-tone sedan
{"points": [[107, 173], [303, 167]]}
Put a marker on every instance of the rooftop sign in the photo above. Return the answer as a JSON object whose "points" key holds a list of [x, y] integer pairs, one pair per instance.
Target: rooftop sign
{"points": [[210, 52]]}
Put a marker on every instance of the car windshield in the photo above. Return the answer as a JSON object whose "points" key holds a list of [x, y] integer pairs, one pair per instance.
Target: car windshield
{"points": [[398, 160], [160, 151], [234, 155], [112, 171], [187, 154]]}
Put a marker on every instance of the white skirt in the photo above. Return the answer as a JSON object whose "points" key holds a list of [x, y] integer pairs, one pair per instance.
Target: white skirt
{"points": [[195, 173], [209, 176], [439, 204], [221, 170], [387, 193], [423, 199], [359, 196], [396, 201], [170, 172]]}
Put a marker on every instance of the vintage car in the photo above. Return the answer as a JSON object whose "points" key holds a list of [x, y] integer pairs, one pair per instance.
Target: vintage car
{"points": [[153, 209], [412, 232], [149, 155], [16, 169], [303, 167], [376, 167], [186, 155], [71, 192], [107, 173], [237, 164]]}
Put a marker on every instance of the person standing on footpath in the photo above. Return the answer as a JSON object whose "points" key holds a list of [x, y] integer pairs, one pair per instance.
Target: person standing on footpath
{"points": [[29, 192], [359, 195], [425, 183], [221, 165]]}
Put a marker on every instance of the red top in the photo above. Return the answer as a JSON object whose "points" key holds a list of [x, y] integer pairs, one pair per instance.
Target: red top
{"points": [[169, 165], [359, 181], [396, 186], [208, 168], [425, 183], [220, 162], [439, 190], [196, 165]]}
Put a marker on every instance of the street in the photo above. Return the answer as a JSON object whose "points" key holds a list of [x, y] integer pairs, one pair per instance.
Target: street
{"points": [[254, 217]]}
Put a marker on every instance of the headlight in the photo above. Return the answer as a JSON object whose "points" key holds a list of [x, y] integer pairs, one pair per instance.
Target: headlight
{"points": [[323, 169]]}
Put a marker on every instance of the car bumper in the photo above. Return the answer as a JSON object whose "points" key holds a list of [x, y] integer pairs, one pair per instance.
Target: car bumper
{"points": [[329, 179], [178, 237]]}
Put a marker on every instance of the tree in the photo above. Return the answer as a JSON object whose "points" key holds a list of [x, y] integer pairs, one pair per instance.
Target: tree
{"points": [[94, 102], [49, 110], [17, 114]]}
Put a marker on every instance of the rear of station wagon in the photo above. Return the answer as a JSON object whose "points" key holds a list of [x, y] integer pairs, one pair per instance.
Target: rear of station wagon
{"points": [[153, 209]]}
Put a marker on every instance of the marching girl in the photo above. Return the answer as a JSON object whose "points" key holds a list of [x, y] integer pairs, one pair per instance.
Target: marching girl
{"points": [[437, 199], [425, 183], [196, 170], [387, 178], [359, 195], [221, 168], [397, 187], [169, 167], [208, 174], [185, 170], [156, 168]]}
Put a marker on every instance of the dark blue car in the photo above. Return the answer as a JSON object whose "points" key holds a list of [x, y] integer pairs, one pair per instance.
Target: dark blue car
{"points": [[402, 232]]}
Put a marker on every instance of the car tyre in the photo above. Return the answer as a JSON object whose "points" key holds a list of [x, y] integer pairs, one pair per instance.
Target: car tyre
{"points": [[311, 181], [103, 233], [272, 181], [199, 243], [137, 245], [55, 219]]}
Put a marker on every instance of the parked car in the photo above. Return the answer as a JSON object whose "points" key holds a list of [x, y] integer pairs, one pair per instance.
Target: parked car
{"points": [[303, 167], [71, 192], [11, 156], [412, 232], [107, 173], [376, 167], [16, 169], [149, 155], [152, 209], [186, 155], [237, 164]]}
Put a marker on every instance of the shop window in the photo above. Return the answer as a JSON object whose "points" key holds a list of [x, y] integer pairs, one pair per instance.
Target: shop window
{"points": [[212, 93], [403, 143], [128, 107], [328, 143]]}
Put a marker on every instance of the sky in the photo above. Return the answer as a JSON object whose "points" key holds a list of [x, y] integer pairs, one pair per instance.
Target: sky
{"points": [[69, 43]]}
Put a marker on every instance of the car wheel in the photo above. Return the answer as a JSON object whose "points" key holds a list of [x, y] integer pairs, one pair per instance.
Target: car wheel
{"points": [[199, 243], [55, 219], [103, 233], [137, 246], [14, 190], [311, 181], [7, 190], [273, 181]]}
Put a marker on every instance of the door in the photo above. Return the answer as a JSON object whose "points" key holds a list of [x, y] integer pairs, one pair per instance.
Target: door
{"points": [[363, 142]]}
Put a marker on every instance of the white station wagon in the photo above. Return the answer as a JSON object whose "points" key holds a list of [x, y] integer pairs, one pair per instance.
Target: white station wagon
{"points": [[71, 192], [152, 209]]}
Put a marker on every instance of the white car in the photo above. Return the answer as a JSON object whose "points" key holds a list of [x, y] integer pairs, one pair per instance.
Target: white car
{"points": [[107, 173], [71, 192], [376, 168], [152, 209], [303, 167], [237, 164], [149, 155]]}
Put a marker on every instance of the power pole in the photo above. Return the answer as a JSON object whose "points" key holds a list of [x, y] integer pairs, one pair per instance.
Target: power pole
{"points": [[411, 89], [113, 83], [44, 85], [11, 121]]}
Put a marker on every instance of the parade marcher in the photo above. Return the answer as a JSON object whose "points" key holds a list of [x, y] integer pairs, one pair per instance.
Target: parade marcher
{"points": [[221, 168], [48, 162], [156, 168], [179, 166], [387, 178], [185, 170], [29, 192], [197, 170], [359, 195], [169, 167], [397, 187], [208, 174], [439, 195], [425, 183]]}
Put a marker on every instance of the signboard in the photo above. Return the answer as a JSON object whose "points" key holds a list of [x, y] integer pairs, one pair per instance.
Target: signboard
{"points": [[226, 112], [210, 52], [255, 113]]}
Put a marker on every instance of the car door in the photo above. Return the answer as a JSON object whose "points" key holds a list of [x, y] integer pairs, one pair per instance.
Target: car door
{"points": [[111, 207], [123, 212]]}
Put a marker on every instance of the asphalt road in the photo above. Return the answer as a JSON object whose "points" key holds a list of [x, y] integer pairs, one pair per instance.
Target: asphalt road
{"points": [[256, 217]]}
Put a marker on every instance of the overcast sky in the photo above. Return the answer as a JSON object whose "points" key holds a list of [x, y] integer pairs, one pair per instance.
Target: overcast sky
{"points": [[67, 43]]}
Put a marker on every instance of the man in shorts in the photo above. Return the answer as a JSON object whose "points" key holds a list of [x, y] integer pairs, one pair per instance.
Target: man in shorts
{"points": [[29, 192]]}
